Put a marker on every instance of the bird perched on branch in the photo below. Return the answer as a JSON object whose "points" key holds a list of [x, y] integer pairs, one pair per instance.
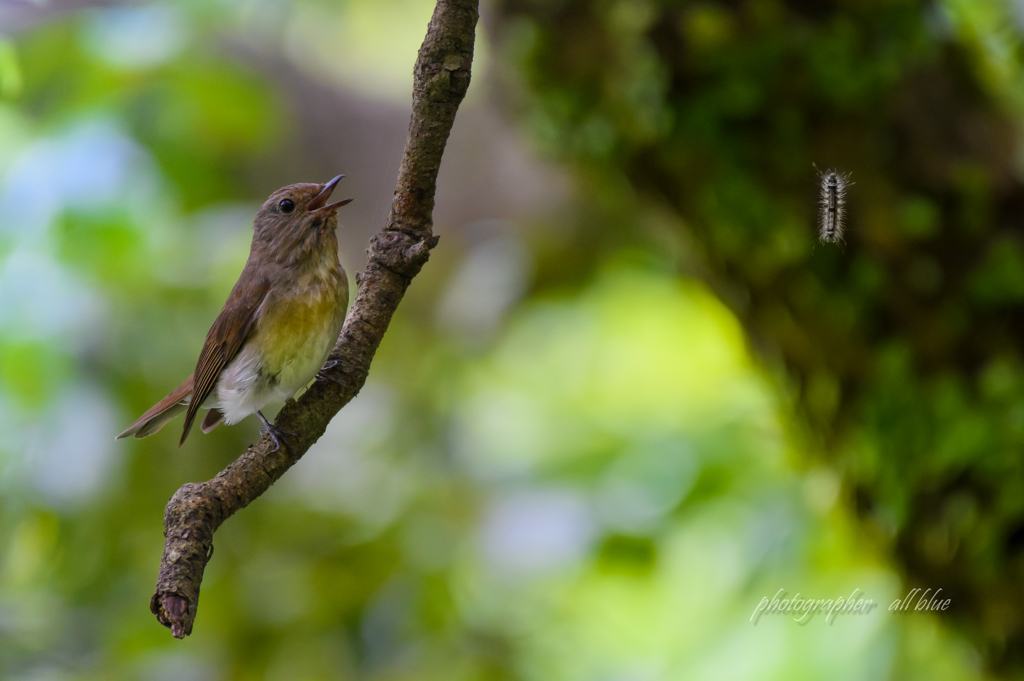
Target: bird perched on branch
{"points": [[279, 324]]}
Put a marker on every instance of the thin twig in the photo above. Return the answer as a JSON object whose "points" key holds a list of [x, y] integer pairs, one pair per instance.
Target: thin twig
{"points": [[396, 255]]}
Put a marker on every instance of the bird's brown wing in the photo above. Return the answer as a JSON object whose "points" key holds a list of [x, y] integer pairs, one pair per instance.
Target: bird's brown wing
{"points": [[226, 337]]}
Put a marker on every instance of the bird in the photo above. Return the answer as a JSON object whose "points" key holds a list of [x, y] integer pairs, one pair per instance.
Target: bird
{"points": [[279, 324]]}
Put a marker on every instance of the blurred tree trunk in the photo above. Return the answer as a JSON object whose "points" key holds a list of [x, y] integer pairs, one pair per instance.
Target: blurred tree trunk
{"points": [[903, 346]]}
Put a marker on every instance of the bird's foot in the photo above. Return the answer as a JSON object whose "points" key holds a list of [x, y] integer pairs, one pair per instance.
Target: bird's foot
{"points": [[275, 433], [321, 376], [278, 436]]}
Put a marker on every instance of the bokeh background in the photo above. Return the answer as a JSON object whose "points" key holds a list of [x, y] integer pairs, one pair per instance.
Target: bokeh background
{"points": [[629, 396]]}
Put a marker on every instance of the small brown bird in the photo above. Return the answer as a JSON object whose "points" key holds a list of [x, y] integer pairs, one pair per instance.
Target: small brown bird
{"points": [[279, 324]]}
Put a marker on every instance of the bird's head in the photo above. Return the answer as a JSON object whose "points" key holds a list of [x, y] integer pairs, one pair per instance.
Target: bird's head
{"points": [[297, 220]]}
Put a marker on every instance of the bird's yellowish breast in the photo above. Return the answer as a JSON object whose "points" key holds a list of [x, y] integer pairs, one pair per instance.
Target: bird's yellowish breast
{"points": [[299, 331]]}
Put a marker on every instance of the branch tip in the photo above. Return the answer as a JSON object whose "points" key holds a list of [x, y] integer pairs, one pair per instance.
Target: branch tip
{"points": [[173, 612]]}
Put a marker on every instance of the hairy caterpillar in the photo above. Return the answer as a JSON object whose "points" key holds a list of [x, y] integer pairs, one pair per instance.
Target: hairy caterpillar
{"points": [[833, 205]]}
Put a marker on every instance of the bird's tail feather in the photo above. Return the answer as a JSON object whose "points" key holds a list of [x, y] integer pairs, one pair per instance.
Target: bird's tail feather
{"points": [[161, 412], [214, 417], [157, 421]]}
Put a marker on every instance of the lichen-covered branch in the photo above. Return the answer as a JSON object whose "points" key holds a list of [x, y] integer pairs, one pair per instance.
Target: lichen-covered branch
{"points": [[396, 255]]}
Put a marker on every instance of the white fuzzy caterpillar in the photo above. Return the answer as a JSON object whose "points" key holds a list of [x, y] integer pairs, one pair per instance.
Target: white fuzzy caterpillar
{"points": [[833, 205]]}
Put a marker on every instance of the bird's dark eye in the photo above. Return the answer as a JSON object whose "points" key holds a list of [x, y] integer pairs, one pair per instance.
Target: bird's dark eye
{"points": [[286, 206]]}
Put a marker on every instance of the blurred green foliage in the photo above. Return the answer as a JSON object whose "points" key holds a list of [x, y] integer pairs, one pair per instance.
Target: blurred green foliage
{"points": [[598, 482], [893, 345]]}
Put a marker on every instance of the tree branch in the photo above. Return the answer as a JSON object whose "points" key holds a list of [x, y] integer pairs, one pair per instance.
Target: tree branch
{"points": [[396, 255]]}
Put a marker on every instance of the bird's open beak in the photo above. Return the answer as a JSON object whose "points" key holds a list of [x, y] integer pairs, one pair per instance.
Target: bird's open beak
{"points": [[317, 204]]}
